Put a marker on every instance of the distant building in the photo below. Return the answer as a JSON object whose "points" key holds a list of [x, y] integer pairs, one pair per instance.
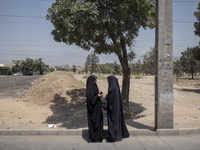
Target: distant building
{"points": [[4, 70], [51, 66], [15, 61]]}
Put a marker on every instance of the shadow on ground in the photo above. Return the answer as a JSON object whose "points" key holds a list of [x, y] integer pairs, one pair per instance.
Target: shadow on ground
{"points": [[85, 135], [70, 116], [136, 109], [74, 116], [192, 90]]}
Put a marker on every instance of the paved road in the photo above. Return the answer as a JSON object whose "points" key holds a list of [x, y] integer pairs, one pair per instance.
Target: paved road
{"points": [[10, 85], [80, 143]]}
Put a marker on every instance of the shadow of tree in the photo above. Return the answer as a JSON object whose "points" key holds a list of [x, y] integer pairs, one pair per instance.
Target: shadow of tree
{"points": [[73, 115], [69, 115], [136, 109], [138, 125], [78, 96], [192, 90]]}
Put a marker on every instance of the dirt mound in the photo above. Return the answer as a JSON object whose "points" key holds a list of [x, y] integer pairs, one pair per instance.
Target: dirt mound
{"points": [[59, 87]]}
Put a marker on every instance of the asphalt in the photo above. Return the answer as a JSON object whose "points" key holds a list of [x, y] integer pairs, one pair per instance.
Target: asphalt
{"points": [[83, 143], [84, 132]]}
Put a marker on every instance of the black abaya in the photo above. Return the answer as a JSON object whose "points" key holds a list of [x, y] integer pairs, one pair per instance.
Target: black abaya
{"points": [[94, 110], [117, 129]]}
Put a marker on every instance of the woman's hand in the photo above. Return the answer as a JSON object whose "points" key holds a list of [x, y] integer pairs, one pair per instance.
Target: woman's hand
{"points": [[100, 95]]}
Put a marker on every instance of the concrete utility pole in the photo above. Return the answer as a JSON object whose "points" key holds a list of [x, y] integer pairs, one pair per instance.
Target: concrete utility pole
{"points": [[164, 66]]}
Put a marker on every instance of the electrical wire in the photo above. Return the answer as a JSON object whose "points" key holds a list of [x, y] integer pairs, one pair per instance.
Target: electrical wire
{"points": [[19, 16], [188, 1]]}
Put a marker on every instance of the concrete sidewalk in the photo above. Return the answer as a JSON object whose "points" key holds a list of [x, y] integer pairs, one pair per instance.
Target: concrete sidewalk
{"points": [[84, 132]]}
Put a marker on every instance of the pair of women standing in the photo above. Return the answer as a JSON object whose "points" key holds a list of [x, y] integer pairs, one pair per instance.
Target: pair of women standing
{"points": [[116, 124]]}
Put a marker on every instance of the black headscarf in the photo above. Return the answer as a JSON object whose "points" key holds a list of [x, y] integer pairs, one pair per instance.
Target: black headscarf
{"points": [[94, 110], [117, 129], [91, 87]]}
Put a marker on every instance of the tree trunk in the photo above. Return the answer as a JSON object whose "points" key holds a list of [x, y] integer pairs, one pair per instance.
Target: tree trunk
{"points": [[125, 91], [123, 57], [192, 73]]}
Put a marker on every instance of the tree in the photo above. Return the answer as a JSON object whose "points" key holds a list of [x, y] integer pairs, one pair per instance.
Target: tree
{"points": [[16, 67], [188, 61], [110, 68], [196, 52], [116, 68], [107, 27], [149, 62], [39, 65], [92, 63], [52, 69], [197, 24], [136, 68], [106, 68], [74, 68], [27, 66], [178, 69]]}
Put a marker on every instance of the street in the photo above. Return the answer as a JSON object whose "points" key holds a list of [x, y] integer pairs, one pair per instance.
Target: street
{"points": [[81, 143]]}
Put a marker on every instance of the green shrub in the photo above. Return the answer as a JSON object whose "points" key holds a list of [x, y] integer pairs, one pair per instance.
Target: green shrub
{"points": [[138, 77]]}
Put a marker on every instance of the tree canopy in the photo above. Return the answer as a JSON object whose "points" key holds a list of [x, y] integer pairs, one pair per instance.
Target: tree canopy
{"points": [[110, 68], [188, 61], [91, 63], [100, 24], [29, 66], [196, 52], [149, 62], [197, 23], [177, 68]]}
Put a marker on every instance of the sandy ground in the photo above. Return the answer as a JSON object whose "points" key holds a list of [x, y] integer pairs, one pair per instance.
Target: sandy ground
{"points": [[59, 98]]}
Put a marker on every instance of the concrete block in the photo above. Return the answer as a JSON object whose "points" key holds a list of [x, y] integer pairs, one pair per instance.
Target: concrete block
{"points": [[75, 132], [141, 132], [189, 131], [164, 132], [9, 132]]}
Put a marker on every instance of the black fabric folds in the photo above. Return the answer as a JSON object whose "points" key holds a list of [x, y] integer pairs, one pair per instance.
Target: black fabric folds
{"points": [[117, 129], [94, 110]]}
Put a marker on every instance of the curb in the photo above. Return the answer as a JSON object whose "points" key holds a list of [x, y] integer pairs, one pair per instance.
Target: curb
{"points": [[84, 132]]}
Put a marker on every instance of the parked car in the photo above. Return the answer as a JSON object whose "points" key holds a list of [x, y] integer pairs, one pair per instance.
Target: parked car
{"points": [[18, 74]]}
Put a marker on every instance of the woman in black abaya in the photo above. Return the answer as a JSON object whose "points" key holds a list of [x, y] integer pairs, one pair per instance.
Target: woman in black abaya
{"points": [[94, 110], [117, 129]]}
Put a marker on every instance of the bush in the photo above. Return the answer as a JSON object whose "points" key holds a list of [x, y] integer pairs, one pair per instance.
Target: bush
{"points": [[138, 77], [99, 77]]}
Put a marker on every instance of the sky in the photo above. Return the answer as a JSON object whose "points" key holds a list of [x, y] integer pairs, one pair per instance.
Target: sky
{"points": [[25, 33]]}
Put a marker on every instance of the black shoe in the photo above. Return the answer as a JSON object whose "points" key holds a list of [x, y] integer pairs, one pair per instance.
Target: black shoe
{"points": [[96, 141], [110, 140]]}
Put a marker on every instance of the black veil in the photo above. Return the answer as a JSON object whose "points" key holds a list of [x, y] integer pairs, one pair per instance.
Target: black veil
{"points": [[117, 129], [94, 110]]}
